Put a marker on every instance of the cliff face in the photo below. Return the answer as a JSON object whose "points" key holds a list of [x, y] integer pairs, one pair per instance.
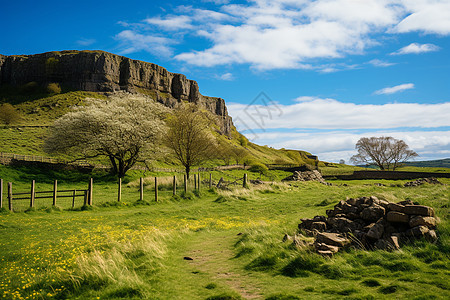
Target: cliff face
{"points": [[98, 71]]}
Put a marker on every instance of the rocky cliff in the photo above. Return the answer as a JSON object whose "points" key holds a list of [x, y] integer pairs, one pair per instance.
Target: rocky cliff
{"points": [[99, 71]]}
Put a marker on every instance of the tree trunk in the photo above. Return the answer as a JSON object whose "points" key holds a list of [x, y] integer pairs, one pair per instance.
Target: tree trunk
{"points": [[188, 169], [121, 169]]}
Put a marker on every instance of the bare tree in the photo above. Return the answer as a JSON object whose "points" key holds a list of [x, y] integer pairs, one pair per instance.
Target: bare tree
{"points": [[123, 129], [385, 152], [188, 137]]}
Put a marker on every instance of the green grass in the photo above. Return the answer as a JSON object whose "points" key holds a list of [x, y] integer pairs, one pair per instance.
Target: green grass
{"points": [[136, 250]]}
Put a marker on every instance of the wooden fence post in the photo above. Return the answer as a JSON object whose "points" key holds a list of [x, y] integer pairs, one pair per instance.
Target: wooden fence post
{"points": [[198, 177], [174, 185], [1, 192], [210, 180], [91, 187], [85, 197], [244, 184], [55, 191], [33, 183], [141, 189], [195, 181], [73, 199], [10, 196], [156, 189], [119, 190], [185, 183]]}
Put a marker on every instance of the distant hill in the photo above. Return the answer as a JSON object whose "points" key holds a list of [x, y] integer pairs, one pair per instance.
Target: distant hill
{"points": [[440, 163]]}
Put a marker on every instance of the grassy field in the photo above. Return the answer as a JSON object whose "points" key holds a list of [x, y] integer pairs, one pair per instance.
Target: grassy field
{"points": [[207, 245]]}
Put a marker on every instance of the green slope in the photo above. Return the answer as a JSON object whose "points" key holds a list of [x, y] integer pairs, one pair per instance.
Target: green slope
{"points": [[39, 110]]}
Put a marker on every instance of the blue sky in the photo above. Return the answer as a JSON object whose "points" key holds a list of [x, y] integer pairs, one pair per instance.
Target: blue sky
{"points": [[308, 75]]}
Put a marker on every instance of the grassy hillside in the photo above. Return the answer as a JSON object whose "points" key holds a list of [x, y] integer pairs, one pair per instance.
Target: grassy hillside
{"points": [[440, 163], [212, 245], [39, 110]]}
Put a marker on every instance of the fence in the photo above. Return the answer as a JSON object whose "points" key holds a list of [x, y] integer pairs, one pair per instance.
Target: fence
{"points": [[21, 201], [16, 200], [388, 175], [7, 157]]}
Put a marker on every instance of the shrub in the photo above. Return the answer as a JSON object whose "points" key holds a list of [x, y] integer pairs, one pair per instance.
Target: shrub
{"points": [[243, 141], [259, 168], [8, 114], [53, 88]]}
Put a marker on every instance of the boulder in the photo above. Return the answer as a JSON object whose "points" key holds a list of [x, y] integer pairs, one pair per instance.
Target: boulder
{"points": [[417, 232], [389, 244], [333, 239], [341, 224], [326, 247], [396, 207], [372, 213], [397, 217], [320, 219], [420, 210], [429, 222], [431, 236], [319, 226], [376, 231], [351, 201]]}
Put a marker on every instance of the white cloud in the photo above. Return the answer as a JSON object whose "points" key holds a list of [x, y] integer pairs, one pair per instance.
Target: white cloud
{"points": [[171, 22], [380, 63], [428, 16], [304, 99], [331, 114], [86, 42], [226, 77], [295, 34], [395, 89], [131, 42], [415, 48]]}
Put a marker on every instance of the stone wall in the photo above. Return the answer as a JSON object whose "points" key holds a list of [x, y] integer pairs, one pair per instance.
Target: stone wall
{"points": [[389, 175], [99, 71]]}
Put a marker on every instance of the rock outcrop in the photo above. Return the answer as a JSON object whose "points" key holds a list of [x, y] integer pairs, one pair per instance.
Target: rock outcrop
{"points": [[99, 71], [313, 175], [369, 222], [421, 181]]}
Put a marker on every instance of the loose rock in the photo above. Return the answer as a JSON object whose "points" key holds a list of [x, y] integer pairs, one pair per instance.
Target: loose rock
{"points": [[370, 223]]}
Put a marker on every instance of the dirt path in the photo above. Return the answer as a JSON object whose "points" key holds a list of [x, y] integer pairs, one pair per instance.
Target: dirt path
{"points": [[214, 255]]}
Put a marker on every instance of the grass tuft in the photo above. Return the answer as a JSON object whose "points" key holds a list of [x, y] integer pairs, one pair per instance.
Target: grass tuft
{"points": [[371, 282], [303, 264]]}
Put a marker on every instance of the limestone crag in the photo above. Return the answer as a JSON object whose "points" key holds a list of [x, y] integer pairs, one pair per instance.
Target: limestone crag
{"points": [[99, 71]]}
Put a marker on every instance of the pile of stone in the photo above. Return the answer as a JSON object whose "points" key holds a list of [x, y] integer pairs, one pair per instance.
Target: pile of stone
{"points": [[313, 175], [370, 223], [421, 181]]}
